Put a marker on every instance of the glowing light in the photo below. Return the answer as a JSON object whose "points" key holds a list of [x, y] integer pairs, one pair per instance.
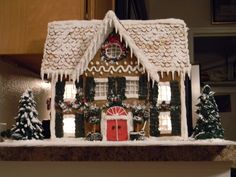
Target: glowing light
{"points": [[69, 125]]}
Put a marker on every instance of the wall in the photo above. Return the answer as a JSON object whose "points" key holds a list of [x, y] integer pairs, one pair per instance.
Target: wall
{"points": [[194, 13], [228, 119], [115, 169], [197, 16], [14, 81]]}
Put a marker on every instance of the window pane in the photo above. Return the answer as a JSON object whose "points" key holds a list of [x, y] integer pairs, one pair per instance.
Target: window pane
{"points": [[70, 92], [164, 92], [165, 122], [131, 88], [101, 89], [69, 125]]}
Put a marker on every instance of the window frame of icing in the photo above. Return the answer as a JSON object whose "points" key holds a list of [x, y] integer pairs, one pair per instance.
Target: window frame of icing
{"points": [[71, 90], [101, 81], [160, 92], [135, 79], [111, 52], [164, 116], [71, 125]]}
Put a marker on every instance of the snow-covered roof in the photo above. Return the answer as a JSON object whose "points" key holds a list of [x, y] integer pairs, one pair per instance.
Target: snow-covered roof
{"points": [[159, 45]]}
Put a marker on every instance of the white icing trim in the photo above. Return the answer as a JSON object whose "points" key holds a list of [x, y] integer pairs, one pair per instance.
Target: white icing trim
{"points": [[103, 127], [131, 78], [130, 123], [100, 97], [53, 111], [116, 68], [101, 79], [114, 117], [131, 95], [184, 126]]}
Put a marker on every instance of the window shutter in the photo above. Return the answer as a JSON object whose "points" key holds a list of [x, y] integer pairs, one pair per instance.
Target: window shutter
{"points": [[153, 93], [154, 113], [79, 85], [60, 89], [143, 87], [121, 86], [175, 107], [90, 89], [111, 86]]}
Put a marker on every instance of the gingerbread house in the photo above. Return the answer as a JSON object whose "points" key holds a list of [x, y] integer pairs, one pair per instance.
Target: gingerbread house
{"points": [[117, 79]]}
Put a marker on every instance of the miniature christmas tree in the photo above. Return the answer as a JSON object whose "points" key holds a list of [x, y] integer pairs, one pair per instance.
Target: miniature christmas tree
{"points": [[27, 124], [208, 124]]}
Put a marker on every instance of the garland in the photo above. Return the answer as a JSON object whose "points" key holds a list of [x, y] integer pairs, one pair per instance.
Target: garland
{"points": [[154, 112], [114, 100], [175, 108], [60, 89], [90, 89], [143, 89]]}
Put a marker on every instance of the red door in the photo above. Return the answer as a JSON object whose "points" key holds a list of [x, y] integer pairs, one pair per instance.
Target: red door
{"points": [[117, 129], [111, 130], [122, 130]]}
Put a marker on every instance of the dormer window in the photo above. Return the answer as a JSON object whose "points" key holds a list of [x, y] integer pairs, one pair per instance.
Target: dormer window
{"points": [[113, 51]]}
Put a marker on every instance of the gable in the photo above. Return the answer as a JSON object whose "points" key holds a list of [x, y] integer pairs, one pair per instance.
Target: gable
{"points": [[106, 66]]}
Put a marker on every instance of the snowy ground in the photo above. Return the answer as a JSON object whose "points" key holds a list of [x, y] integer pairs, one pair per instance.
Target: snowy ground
{"points": [[161, 141]]}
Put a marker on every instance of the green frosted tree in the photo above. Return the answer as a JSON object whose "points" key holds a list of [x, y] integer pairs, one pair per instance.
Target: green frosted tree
{"points": [[27, 126], [208, 124]]}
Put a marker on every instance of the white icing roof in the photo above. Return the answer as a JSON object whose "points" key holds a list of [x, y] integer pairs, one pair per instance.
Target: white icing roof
{"points": [[159, 45]]}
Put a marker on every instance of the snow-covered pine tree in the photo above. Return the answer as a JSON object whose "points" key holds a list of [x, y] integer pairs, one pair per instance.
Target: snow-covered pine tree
{"points": [[208, 124], [27, 126]]}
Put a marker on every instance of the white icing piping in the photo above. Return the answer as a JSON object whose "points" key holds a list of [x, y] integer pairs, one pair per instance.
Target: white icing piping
{"points": [[116, 68], [184, 126]]}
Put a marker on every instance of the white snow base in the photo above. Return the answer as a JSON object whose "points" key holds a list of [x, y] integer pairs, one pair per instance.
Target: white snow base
{"points": [[151, 141]]}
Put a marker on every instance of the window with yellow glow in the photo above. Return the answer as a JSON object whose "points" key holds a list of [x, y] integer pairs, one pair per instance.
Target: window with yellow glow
{"points": [[70, 92], [164, 93], [69, 125], [165, 122]]}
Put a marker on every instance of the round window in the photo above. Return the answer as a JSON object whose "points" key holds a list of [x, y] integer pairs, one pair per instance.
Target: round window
{"points": [[113, 51]]}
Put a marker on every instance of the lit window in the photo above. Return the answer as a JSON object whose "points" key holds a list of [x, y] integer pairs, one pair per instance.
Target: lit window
{"points": [[165, 123], [101, 88], [164, 93], [70, 92], [132, 84], [113, 51], [69, 125]]}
